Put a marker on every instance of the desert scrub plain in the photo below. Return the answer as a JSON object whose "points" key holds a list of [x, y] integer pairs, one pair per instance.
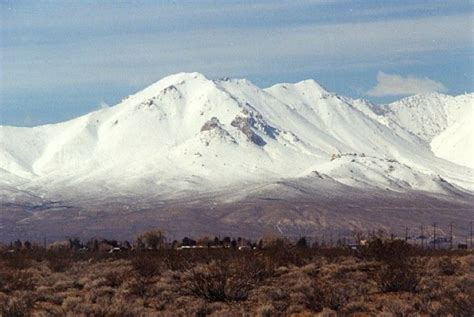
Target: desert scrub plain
{"points": [[384, 278]]}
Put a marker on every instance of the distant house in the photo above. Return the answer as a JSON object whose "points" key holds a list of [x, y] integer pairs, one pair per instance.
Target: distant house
{"points": [[115, 250], [185, 247]]}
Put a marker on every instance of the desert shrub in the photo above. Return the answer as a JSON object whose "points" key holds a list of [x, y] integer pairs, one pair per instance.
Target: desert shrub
{"points": [[110, 273], [16, 306], [266, 311], [447, 266], [227, 280], [14, 280], [17, 261], [113, 309], [397, 273], [146, 265], [326, 295], [398, 278], [460, 302], [59, 262], [285, 256], [389, 251], [50, 298], [136, 286], [279, 297], [218, 282], [179, 261], [114, 279], [356, 308], [277, 280]]}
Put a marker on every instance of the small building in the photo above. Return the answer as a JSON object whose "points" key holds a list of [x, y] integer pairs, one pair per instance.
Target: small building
{"points": [[115, 250]]}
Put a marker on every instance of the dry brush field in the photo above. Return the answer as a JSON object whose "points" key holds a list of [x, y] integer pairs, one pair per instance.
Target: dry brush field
{"points": [[385, 278]]}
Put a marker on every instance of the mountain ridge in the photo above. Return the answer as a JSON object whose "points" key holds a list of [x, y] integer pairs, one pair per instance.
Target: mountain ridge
{"points": [[189, 143]]}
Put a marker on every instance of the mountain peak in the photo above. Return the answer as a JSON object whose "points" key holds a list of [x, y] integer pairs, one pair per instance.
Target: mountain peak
{"points": [[304, 86], [178, 79], [194, 80], [183, 76], [431, 98], [311, 83]]}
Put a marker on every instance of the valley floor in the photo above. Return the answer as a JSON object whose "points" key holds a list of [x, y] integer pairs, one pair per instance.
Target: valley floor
{"points": [[319, 217]]}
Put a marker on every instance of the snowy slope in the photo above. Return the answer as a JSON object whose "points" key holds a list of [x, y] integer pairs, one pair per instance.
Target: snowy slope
{"points": [[456, 143], [187, 134], [444, 122], [428, 115]]}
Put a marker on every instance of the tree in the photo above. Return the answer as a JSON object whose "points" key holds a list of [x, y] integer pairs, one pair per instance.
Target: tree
{"points": [[27, 245], [302, 243], [93, 245], [126, 245], [272, 241], [204, 241], [188, 241], [152, 239], [174, 244], [17, 244], [139, 244], [75, 243]]}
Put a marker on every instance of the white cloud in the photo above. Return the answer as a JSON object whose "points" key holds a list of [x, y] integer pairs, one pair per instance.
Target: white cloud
{"points": [[142, 58], [396, 85], [27, 121], [103, 105]]}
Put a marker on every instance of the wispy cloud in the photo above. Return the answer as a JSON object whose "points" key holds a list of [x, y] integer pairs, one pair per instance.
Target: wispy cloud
{"points": [[396, 85], [139, 59], [103, 105], [79, 53], [27, 121]]}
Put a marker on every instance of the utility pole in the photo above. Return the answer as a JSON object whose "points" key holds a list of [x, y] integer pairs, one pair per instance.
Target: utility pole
{"points": [[422, 238], [470, 244], [450, 235], [434, 235], [406, 234]]}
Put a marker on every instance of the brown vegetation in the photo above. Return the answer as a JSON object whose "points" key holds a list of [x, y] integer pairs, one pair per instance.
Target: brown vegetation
{"points": [[383, 276]]}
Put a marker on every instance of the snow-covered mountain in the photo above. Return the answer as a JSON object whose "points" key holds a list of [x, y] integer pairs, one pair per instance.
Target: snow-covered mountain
{"points": [[187, 132], [188, 136]]}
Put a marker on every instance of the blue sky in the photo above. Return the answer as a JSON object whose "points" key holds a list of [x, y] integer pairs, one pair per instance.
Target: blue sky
{"points": [[61, 59]]}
